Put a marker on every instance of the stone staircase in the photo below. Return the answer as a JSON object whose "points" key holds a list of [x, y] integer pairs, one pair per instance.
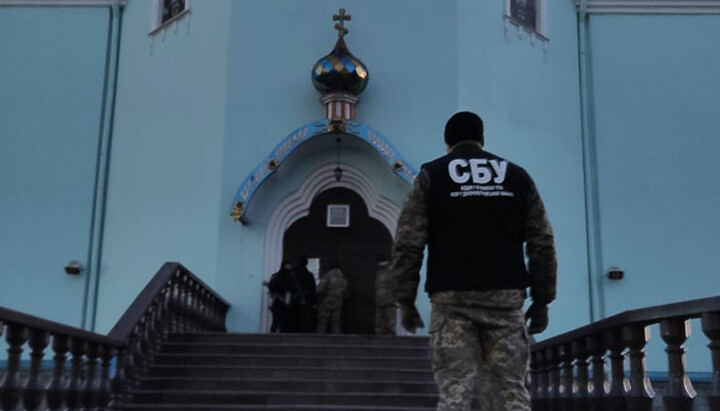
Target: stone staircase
{"points": [[218, 371]]}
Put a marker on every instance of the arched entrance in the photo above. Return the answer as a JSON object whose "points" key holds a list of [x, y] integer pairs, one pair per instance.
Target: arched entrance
{"points": [[298, 204], [355, 242]]}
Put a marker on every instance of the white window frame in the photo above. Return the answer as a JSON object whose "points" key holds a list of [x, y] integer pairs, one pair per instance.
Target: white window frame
{"points": [[344, 207], [540, 30], [157, 25]]}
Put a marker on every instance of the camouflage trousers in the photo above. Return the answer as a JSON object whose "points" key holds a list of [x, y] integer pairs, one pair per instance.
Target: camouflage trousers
{"points": [[482, 351], [386, 319], [329, 315]]}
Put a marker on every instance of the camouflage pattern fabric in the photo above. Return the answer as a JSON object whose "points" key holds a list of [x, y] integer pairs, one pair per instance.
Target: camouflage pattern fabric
{"points": [[479, 351], [331, 291], [386, 320]]}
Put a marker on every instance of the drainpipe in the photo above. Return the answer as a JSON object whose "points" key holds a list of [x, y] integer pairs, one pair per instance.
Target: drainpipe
{"points": [[590, 171], [102, 167]]}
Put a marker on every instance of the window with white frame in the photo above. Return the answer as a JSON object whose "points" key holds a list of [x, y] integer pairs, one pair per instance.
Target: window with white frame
{"points": [[169, 11], [528, 14], [338, 215]]}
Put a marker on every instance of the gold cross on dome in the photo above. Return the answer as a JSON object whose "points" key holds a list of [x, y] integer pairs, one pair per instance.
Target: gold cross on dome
{"points": [[341, 18]]}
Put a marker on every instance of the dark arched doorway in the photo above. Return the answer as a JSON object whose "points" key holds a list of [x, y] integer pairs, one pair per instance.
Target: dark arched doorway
{"points": [[356, 247]]}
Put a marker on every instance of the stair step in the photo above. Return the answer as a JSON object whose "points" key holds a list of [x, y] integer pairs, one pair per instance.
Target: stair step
{"points": [[284, 398], [292, 361], [354, 374], [323, 339], [345, 350], [284, 407], [278, 385]]}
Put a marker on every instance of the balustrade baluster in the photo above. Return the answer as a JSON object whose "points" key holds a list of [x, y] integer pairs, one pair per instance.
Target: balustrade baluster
{"points": [[680, 393], [566, 378], [175, 303], [10, 387], [34, 393], [598, 389], [139, 356], [120, 392], [711, 328], [639, 397], [185, 303], [91, 389], [581, 392], [195, 308], [55, 390], [616, 394], [106, 356], [73, 393], [552, 361], [538, 377]]}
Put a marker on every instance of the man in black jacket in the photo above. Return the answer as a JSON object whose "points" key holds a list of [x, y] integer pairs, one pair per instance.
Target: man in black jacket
{"points": [[476, 211]]}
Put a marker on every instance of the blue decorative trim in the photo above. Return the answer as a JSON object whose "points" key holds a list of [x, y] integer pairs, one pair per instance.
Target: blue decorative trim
{"points": [[272, 162]]}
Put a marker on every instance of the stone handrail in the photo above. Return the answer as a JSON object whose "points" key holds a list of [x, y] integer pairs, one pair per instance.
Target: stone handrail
{"points": [[560, 366], [174, 300]]}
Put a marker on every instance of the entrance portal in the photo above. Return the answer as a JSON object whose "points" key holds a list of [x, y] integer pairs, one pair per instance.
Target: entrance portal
{"points": [[356, 247]]}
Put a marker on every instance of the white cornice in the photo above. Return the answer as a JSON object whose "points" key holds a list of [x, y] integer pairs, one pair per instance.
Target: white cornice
{"points": [[62, 3], [651, 6]]}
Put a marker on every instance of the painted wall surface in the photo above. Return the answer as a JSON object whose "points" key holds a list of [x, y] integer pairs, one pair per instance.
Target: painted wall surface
{"points": [[409, 48], [167, 149], [656, 101], [527, 91], [51, 94]]}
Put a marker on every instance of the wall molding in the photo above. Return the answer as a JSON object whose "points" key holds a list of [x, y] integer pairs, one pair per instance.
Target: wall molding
{"points": [[650, 6], [297, 205]]}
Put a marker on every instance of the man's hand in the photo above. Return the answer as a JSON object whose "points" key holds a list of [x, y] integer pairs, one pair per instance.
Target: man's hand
{"points": [[411, 319], [538, 316]]}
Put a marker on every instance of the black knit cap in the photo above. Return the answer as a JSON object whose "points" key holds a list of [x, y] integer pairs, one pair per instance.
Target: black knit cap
{"points": [[464, 125]]}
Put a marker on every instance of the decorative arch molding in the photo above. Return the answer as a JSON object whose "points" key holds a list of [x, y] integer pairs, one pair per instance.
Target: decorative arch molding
{"points": [[292, 141], [297, 205]]}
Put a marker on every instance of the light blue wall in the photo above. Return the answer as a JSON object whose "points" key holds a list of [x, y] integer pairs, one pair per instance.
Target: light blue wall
{"points": [[527, 91], [52, 68], [656, 90], [165, 170]]}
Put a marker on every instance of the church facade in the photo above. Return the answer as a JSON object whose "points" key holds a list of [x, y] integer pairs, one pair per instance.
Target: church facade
{"points": [[138, 132]]}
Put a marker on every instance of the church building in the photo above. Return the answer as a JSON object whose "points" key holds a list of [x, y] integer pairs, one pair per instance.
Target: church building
{"points": [[229, 135]]}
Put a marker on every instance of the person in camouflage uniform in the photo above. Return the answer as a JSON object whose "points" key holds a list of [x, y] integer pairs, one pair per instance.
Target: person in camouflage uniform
{"points": [[331, 292], [385, 305], [475, 211]]}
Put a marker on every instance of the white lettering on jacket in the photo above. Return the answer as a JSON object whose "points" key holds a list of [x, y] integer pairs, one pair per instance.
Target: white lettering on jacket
{"points": [[478, 170]]}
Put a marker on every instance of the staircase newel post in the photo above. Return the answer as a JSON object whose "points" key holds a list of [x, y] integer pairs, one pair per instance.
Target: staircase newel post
{"points": [[10, 387], [119, 383], [34, 392], [598, 390], [552, 360], [581, 392], [73, 393], [640, 395], [55, 390], [104, 390], [711, 328], [680, 393], [616, 394], [538, 378], [92, 387]]}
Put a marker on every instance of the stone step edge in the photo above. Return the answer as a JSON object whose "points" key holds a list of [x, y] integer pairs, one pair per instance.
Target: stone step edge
{"points": [[286, 356], [288, 345], [282, 393], [191, 367], [275, 380], [273, 407]]}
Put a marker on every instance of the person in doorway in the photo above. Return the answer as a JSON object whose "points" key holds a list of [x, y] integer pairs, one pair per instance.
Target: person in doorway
{"points": [[279, 293], [331, 291], [475, 211], [306, 305], [385, 305]]}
